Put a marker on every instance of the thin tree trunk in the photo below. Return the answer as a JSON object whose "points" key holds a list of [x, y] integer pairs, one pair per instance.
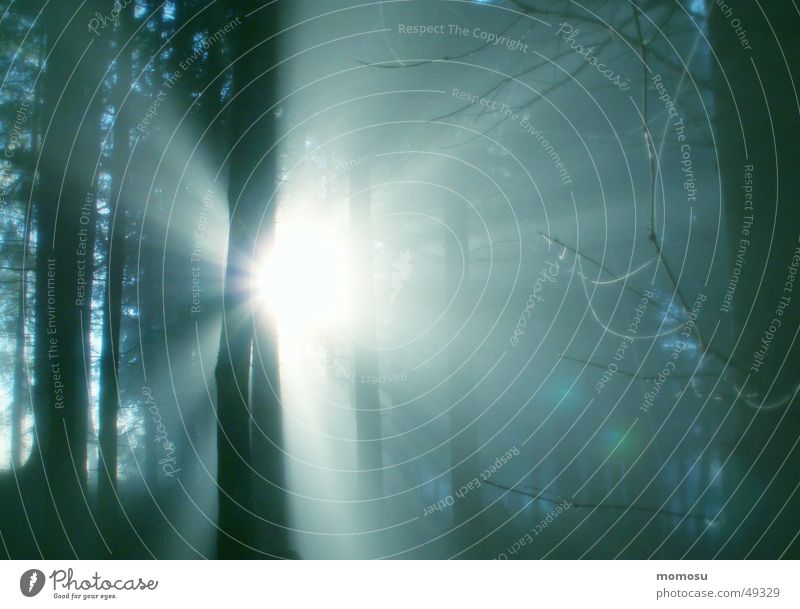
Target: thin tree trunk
{"points": [[463, 433], [109, 397], [367, 398], [20, 398]]}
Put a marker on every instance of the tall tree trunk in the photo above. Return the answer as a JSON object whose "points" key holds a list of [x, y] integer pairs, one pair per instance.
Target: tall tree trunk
{"points": [[109, 398], [251, 182], [775, 180], [153, 361], [267, 440], [63, 283], [20, 399], [463, 433], [367, 398], [757, 142]]}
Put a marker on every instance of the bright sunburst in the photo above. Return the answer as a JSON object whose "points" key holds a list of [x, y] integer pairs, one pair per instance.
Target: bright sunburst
{"points": [[305, 278]]}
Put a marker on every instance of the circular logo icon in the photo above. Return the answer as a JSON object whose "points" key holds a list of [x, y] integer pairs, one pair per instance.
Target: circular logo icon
{"points": [[31, 582]]}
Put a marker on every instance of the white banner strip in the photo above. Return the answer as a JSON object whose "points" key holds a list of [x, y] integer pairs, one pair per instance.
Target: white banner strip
{"points": [[399, 584]]}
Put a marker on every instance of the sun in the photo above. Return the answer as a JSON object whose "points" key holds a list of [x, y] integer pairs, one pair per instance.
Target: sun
{"points": [[304, 278]]}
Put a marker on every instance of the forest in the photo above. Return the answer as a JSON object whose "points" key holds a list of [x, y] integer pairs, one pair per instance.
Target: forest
{"points": [[426, 279]]}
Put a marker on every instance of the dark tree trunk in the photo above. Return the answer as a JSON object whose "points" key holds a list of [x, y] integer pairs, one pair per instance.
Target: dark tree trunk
{"points": [[776, 182], [760, 131], [20, 397], [63, 284], [251, 183], [267, 440], [109, 398]]}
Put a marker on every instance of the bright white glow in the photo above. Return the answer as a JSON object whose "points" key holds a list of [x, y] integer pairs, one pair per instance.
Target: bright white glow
{"points": [[305, 280]]}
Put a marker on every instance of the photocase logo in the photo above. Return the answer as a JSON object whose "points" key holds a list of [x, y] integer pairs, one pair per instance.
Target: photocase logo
{"points": [[31, 582]]}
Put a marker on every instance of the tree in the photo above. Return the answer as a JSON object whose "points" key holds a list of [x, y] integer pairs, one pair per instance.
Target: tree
{"points": [[65, 217], [251, 179], [110, 386], [367, 400]]}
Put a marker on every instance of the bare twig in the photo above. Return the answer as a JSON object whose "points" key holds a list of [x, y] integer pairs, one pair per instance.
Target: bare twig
{"points": [[537, 494], [633, 374], [608, 271]]}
